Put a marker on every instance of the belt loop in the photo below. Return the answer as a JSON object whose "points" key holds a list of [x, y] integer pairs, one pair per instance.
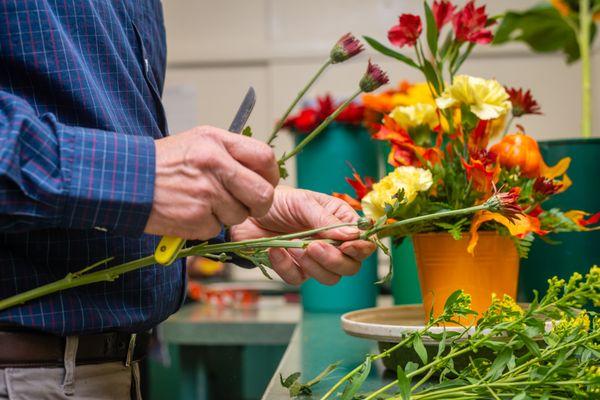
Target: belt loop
{"points": [[71, 345], [130, 350]]}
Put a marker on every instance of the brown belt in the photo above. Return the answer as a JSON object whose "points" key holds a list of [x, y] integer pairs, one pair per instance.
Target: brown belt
{"points": [[37, 349]]}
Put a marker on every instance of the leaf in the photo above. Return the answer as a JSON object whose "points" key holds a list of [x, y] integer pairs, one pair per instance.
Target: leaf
{"points": [[420, 349], [410, 367], [283, 173], [542, 28], [247, 131], [499, 364], [531, 345], [289, 381], [452, 299], [356, 382], [432, 30], [389, 52], [431, 76], [403, 383], [329, 369]]}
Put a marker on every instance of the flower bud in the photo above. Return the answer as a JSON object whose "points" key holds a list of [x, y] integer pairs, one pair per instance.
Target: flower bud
{"points": [[373, 78], [347, 47], [364, 223]]}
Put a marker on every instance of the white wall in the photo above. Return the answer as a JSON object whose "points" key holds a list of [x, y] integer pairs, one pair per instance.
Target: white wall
{"points": [[218, 48]]}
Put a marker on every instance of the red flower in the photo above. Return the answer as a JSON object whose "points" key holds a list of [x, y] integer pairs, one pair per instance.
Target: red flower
{"points": [[508, 203], [373, 78], [352, 115], [304, 122], [407, 31], [347, 47], [594, 219], [442, 12], [545, 186], [309, 118], [470, 23], [522, 102]]}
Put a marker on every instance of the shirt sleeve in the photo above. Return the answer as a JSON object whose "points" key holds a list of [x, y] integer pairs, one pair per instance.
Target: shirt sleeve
{"points": [[55, 175]]}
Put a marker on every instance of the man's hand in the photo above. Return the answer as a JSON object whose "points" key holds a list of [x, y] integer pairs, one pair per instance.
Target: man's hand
{"points": [[296, 210], [207, 176]]}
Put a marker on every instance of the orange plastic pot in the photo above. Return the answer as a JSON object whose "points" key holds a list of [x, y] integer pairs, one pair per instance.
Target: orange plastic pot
{"points": [[444, 266]]}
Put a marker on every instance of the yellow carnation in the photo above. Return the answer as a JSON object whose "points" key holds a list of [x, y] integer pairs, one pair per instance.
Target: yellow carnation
{"points": [[486, 98], [415, 115], [413, 180]]}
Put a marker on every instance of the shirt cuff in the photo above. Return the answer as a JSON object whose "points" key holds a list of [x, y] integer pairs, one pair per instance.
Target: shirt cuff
{"points": [[109, 180]]}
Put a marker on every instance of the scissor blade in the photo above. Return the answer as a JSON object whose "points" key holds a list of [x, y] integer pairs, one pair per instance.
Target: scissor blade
{"points": [[243, 113]]}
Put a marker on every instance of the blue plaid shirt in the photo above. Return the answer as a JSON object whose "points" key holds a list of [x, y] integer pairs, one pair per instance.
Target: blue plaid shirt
{"points": [[80, 88]]}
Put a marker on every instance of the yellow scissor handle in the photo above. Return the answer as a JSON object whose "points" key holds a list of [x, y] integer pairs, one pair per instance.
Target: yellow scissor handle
{"points": [[167, 249]]}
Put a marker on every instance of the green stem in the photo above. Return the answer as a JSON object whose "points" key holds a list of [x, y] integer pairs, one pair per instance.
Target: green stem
{"points": [[71, 281], [320, 128], [299, 96], [508, 124], [376, 357], [585, 24], [441, 214]]}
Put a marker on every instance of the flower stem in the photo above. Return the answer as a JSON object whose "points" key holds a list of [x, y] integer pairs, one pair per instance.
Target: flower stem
{"points": [[299, 96], [585, 24], [441, 214], [320, 128]]}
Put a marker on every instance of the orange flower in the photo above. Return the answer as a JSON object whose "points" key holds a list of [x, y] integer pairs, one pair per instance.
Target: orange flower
{"points": [[483, 174], [349, 199], [561, 6], [361, 188], [579, 217], [520, 226]]}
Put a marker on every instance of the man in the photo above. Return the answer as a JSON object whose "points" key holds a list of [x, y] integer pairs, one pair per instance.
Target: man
{"points": [[87, 172]]}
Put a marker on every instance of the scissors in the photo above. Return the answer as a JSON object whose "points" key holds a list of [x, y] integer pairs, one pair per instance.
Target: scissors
{"points": [[169, 246]]}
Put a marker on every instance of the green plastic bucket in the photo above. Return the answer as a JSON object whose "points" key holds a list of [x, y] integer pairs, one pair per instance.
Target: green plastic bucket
{"points": [[323, 166], [577, 251]]}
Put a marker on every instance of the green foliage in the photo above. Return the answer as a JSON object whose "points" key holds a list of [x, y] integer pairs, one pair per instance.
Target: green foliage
{"points": [[356, 381], [523, 359], [556, 221], [386, 51], [543, 29], [523, 245], [296, 388], [247, 131]]}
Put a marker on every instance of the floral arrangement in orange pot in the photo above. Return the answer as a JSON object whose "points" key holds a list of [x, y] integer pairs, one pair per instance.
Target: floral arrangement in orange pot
{"points": [[443, 158]]}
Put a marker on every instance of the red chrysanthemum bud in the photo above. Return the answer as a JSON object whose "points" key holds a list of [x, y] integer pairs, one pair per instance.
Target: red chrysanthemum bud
{"points": [[442, 12], [522, 102], [506, 203], [347, 47], [373, 78], [406, 32], [545, 186], [470, 23]]}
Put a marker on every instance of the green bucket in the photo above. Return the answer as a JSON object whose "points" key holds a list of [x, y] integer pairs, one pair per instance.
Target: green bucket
{"points": [[323, 166], [577, 251]]}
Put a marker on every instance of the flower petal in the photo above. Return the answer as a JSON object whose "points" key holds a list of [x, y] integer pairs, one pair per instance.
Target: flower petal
{"points": [[521, 225]]}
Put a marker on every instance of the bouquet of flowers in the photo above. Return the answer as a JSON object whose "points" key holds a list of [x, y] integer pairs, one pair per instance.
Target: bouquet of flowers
{"points": [[440, 132]]}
